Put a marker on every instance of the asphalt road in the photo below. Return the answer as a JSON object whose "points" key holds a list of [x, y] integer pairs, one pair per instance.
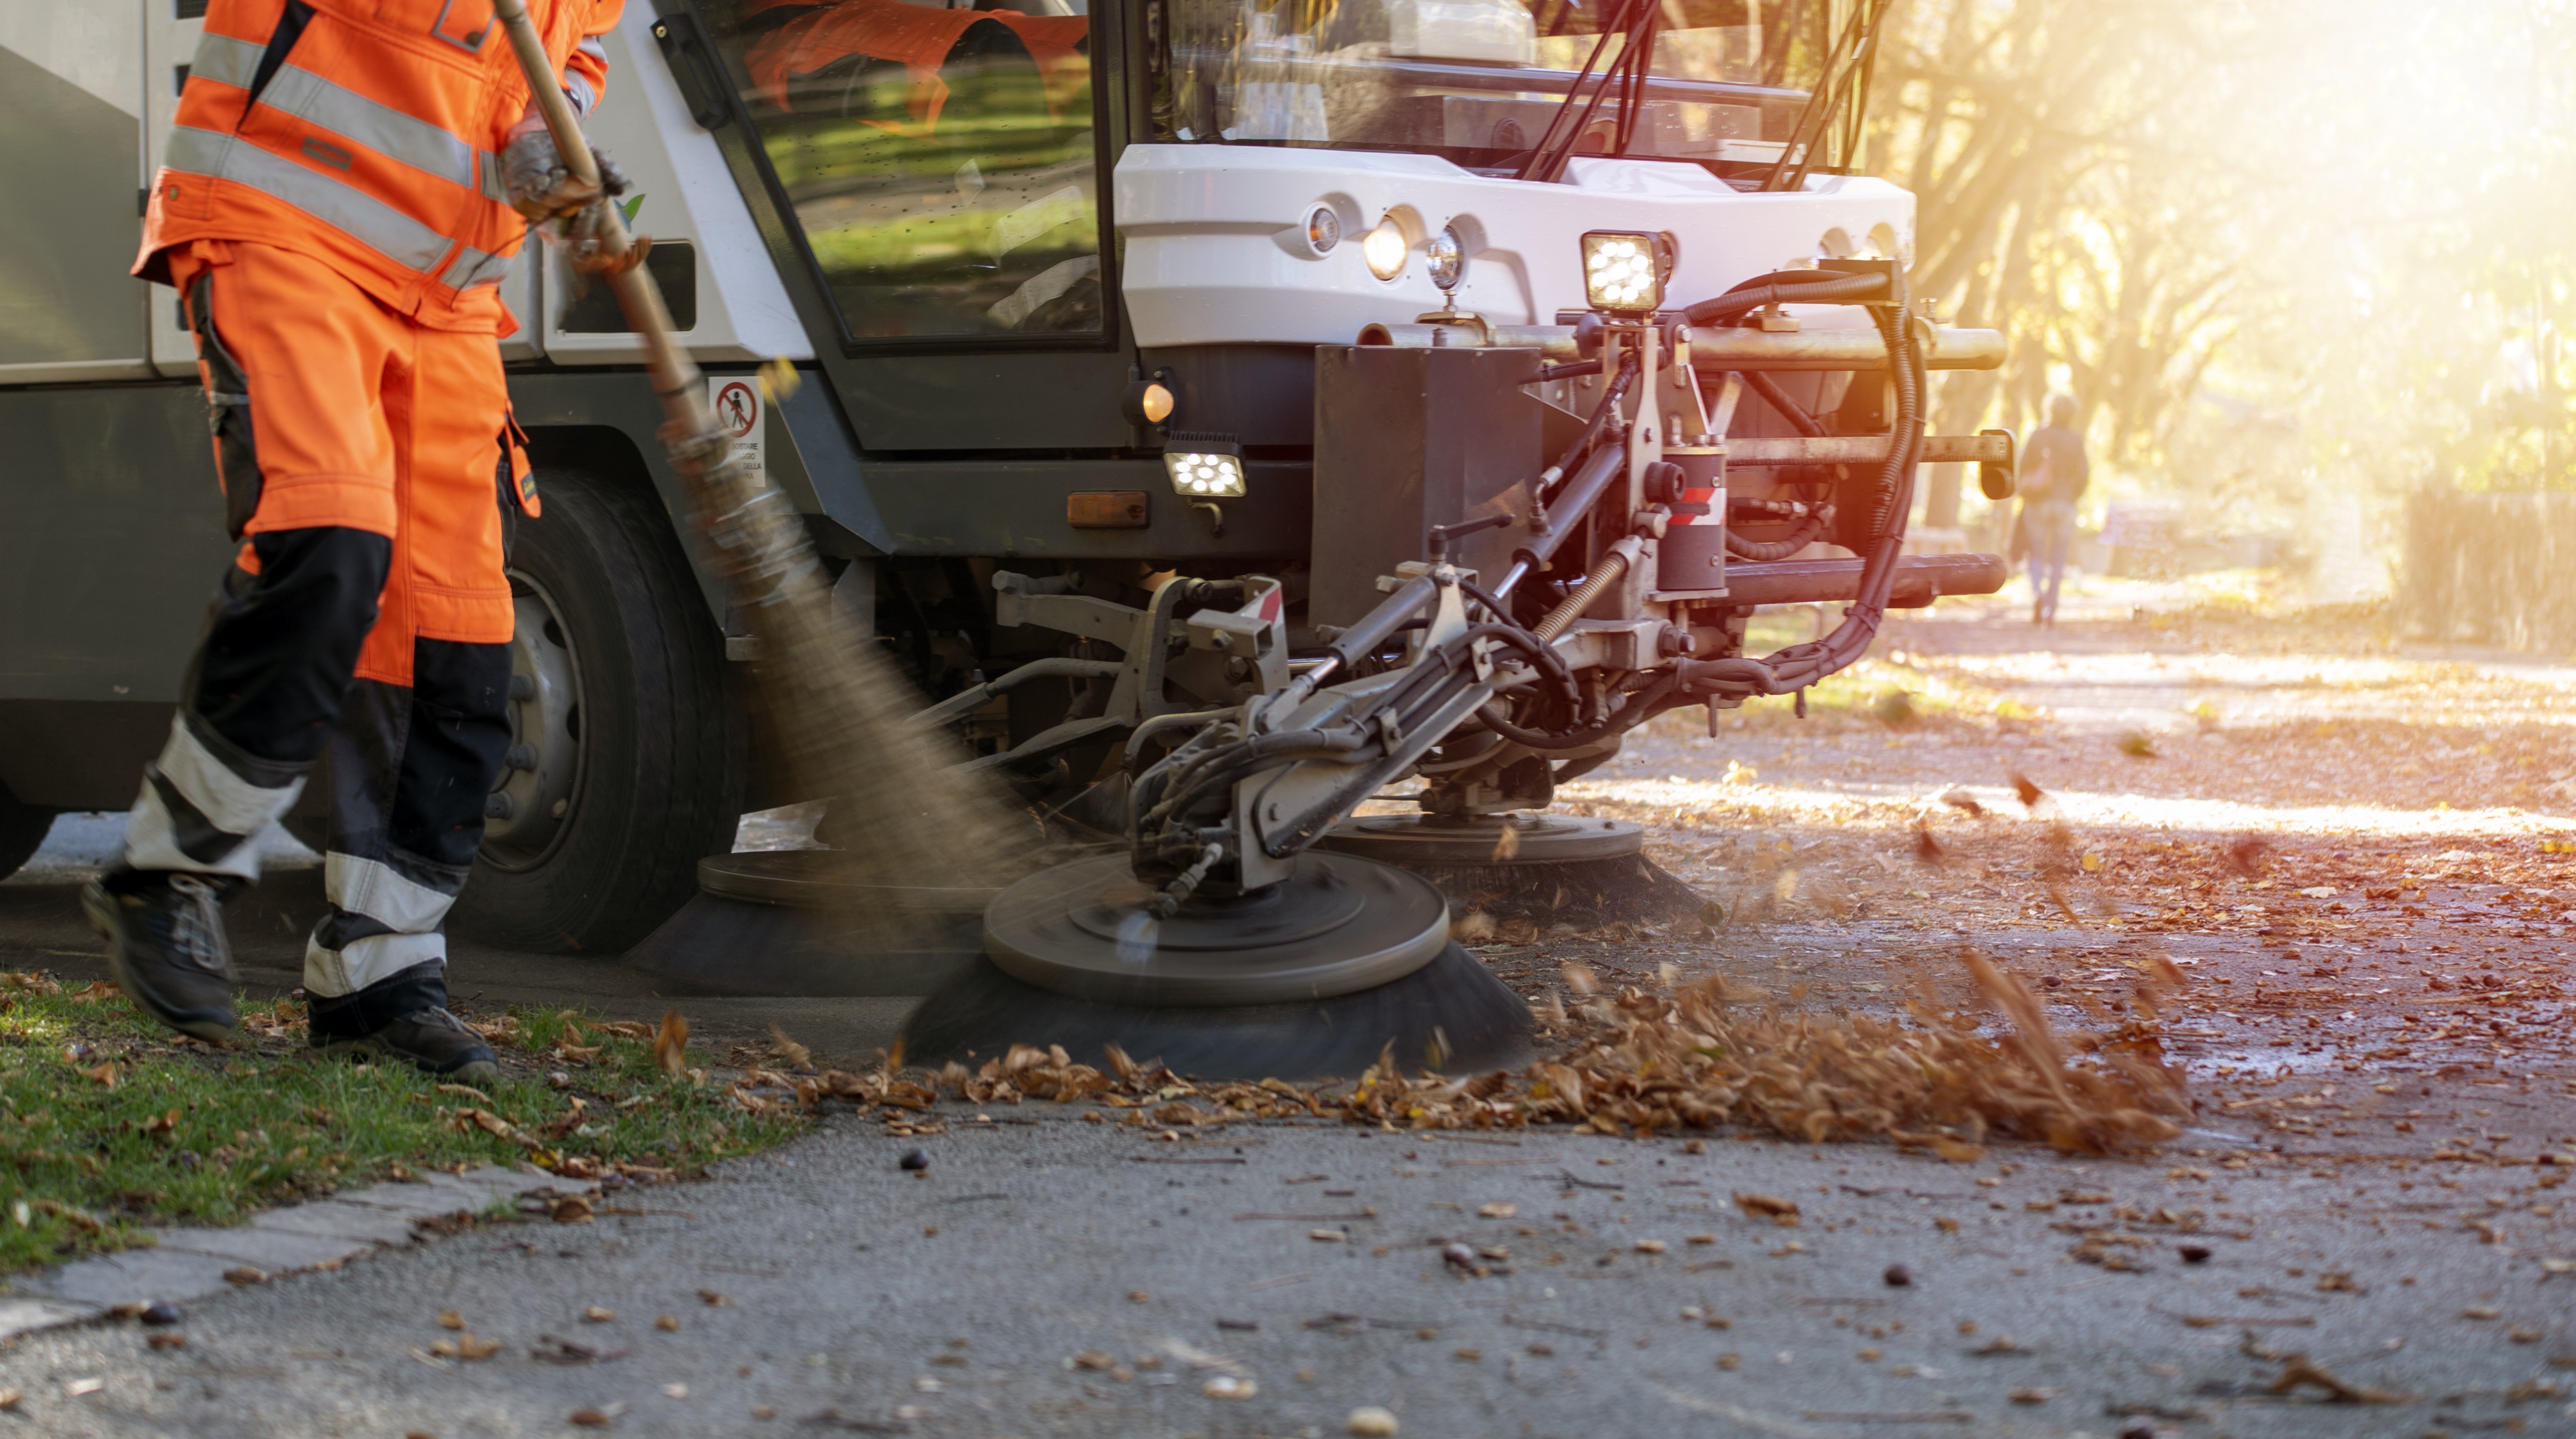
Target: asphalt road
{"points": [[2363, 1183], [1049, 1276]]}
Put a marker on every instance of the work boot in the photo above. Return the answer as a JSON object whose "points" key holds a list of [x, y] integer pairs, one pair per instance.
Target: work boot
{"points": [[165, 940], [429, 1037]]}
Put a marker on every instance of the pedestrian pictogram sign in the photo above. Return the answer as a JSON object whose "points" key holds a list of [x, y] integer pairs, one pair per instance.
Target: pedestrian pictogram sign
{"points": [[738, 407]]}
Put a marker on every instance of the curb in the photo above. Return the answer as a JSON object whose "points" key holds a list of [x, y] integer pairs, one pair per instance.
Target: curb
{"points": [[191, 1263]]}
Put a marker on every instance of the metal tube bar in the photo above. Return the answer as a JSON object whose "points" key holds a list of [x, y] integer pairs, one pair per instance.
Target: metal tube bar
{"points": [[1866, 450], [968, 701], [1720, 348], [1919, 579]]}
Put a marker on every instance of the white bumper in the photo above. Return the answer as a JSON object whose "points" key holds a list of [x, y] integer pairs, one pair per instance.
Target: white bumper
{"points": [[1216, 251]]}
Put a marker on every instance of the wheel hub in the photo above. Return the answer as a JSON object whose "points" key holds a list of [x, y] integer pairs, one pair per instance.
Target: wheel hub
{"points": [[1338, 924], [524, 814]]}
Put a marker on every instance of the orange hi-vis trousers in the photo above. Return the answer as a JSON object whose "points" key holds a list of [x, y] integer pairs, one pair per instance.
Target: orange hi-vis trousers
{"points": [[370, 474]]}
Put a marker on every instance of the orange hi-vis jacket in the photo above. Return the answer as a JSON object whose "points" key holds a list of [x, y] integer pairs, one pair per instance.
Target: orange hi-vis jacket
{"points": [[366, 134]]}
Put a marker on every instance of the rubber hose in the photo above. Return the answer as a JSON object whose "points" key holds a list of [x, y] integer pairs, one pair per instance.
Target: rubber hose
{"points": [[1778, 399], [1838, 289], [1618, 721]]}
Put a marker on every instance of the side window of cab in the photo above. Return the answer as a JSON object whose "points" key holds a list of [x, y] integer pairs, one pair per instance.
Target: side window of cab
{"points": [[940, 160]]}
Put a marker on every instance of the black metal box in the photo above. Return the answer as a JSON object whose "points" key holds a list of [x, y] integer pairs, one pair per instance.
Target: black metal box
{"points": [[1410, 438]]}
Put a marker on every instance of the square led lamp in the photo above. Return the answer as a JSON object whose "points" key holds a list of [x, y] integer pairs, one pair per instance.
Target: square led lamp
{"points": [[1622, 272], [1205, 467]]}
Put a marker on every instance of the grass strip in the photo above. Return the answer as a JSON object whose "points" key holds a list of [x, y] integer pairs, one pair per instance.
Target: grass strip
{"points": [[111, 1125]]}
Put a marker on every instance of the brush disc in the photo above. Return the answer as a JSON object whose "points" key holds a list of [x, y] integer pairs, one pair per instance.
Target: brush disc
{"points": [[1539, 868], [800, 922], [1337, 924], [1451, 1014]]}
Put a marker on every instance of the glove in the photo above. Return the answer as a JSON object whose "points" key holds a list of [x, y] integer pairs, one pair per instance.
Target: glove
{"points": [[537, 185]]}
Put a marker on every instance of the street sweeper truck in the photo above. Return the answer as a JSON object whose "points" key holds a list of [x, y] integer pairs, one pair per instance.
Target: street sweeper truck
{"points": [[1222, 413]]}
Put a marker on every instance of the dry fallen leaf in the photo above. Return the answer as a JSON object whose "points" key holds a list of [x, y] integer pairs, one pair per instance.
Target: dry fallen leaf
{"points": [[1497, 1211], [450, 1319], [2296, 1371], [1767, 1206], [712, 1299], [591, 1418], [671, 1043], [668, 1323], [597, 1315], [465, 1347], [788, 1049], [570, 1209]]}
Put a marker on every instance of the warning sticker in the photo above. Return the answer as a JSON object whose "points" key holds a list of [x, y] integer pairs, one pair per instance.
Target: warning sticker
{"points": [[737, 405]]}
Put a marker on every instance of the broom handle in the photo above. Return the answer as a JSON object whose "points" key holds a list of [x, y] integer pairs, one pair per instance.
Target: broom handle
{"points": [[675, 376]]}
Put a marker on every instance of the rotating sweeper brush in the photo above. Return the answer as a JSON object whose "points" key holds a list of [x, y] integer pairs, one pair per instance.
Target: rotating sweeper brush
{"points": [[1251, 927], [1480, 622]]}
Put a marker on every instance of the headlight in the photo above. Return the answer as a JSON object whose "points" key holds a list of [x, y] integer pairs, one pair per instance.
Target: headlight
{"points": [[1384, 249], [1323, 229], [1203, 467], [1622, 272], [1448, 259]]}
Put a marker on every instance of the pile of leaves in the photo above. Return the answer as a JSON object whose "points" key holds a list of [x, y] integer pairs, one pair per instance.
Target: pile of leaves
{"points": [[1702, 1057], [1699, 1057], [1149, 1094]]}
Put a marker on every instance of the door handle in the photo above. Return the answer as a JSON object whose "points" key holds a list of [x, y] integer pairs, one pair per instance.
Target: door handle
{"points": [[693, 65]]}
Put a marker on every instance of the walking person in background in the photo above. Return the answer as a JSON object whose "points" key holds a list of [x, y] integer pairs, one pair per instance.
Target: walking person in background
{"points": [[2054, 474]]}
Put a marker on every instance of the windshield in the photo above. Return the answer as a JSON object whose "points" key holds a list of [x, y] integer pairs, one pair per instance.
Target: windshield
{"points": [[1477, 81]]}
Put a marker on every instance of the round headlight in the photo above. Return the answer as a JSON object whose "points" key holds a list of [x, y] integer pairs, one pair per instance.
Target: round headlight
{"points": [[1384, 249], [1448, 259], [1323, 229]]}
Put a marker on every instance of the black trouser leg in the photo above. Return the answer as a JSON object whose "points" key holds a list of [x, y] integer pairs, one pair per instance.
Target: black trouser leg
{"points": [[261, 695], [410, 769]]}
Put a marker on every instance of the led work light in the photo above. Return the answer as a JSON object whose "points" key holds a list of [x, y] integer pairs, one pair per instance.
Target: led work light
{"points": [[1622, 272], [1204, 467]]}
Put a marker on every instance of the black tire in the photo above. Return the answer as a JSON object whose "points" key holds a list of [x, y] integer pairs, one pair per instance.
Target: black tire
{"points": [[657, 783], [23, 828]]}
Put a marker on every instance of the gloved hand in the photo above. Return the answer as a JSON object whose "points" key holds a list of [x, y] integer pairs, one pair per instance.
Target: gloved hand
{"points": [[535, 182]]}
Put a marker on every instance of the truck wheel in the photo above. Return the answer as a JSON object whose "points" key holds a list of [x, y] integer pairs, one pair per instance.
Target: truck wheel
{"points": [[627, 757], [23, 828]]}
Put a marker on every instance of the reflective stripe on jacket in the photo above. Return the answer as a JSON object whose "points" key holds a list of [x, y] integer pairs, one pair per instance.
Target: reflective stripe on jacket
{"points": [[365, 133]]}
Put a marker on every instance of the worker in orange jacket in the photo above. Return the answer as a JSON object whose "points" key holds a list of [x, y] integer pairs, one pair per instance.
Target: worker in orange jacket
{"points": [[346, 184]]}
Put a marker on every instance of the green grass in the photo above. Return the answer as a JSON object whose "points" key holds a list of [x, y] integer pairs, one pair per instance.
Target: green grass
{"points": [[110, 1125]]}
